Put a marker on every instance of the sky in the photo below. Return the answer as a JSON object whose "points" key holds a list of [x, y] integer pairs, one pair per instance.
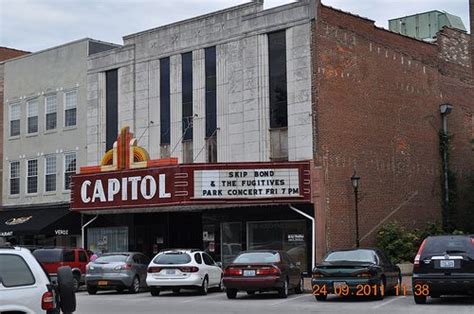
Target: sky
{"points": [[33, 25]]}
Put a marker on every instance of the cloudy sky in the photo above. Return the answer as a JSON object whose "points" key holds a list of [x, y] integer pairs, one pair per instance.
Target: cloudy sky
{"points": [[33, 25]]}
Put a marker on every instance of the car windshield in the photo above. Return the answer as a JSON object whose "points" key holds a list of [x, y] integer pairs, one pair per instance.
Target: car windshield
{"points": [[364, 256], [261, 257], [111, 258], [48, 256], [172, 258], [449, 245]]}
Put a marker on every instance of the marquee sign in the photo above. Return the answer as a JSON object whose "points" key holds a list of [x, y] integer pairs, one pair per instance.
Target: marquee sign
{"points": [[141, 183]]}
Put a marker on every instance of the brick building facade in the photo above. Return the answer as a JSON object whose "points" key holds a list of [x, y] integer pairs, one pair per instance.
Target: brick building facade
{"points": [[5, 54], [376, 98]]}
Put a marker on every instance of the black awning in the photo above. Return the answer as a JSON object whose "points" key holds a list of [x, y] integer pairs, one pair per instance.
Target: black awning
{"points": [[38, 221]]}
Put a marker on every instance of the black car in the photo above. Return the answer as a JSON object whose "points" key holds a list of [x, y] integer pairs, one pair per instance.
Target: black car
{"points": [[362, 272], [444, 265]]}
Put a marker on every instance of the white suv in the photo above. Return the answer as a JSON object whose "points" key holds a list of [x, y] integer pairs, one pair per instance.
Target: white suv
{"points": [[179, 268], [26, 288]]}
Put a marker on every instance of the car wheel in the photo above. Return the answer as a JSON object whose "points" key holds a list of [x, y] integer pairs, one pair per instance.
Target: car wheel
{"points": [[135, 288], [66, 289], [155, 291], [204, 287], [420, 299], [176, 290], [220, 287], [91, 290], [398, 285], [283, 292], [76, 282], [321, 297], [250, 292], [300, 287], [231, 293]]}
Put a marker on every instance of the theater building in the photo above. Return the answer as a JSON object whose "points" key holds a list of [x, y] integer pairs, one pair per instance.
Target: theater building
{"points": [[225, 99]]}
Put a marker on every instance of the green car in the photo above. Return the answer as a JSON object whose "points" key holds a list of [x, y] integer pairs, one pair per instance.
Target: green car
{"points": [[362, 272]]}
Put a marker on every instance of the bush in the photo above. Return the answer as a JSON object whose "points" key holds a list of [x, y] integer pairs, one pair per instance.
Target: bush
{"points": [[402, 245]]}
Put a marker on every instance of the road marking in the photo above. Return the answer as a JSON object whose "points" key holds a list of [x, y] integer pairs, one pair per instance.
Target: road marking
{"points": [[387, 302], [288, 300], [198, 298]]}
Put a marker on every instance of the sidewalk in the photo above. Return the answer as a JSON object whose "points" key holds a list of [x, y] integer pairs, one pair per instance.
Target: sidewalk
{"points": [[406, 285]]}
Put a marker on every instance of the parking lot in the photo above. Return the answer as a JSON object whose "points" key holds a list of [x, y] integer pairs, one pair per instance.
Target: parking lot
{"points": [[217, 302]]}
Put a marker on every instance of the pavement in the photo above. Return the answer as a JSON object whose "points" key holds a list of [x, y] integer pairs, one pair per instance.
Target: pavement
{"points": [[217, 302]]}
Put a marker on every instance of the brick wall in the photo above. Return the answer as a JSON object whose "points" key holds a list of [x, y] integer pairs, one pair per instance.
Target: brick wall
{"points": [[5, 54], [376, 109]]}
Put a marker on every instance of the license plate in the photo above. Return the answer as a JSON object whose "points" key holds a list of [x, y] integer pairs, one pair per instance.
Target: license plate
{"points": [[170, 271], [339, 285], [102, 283], [446, 264], [249, 272]]}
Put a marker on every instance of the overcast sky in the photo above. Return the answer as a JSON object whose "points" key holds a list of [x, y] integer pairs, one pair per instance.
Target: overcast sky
{"points": [[33, 25]]}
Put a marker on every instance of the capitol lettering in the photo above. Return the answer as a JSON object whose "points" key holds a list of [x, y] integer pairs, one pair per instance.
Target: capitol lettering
{"points": [[127, 188]]}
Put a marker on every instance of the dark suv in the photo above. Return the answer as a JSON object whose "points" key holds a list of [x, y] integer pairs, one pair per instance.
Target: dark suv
{"points": [[53, 258], [444, 265]]}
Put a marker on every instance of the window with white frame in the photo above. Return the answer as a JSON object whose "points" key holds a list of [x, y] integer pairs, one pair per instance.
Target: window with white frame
{"points": [[14, 177], [50, 173], [69, 169], [32, 176], [70, 104], [51, 109], [15, 114], [32, 111]]}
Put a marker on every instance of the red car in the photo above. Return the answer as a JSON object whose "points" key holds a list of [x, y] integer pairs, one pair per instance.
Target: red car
{"points": [[262, 271], [52, 259]]}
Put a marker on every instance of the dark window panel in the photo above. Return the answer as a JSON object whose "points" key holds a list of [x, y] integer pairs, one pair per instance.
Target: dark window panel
{"points": [[165, 101], [70, 117], [187, 95], [277, 80], [51, 121], [211, 95], [50, 182], [14, 127], [33, 124], [111, 111]]}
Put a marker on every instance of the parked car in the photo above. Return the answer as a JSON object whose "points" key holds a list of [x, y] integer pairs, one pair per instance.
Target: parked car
{"points": [[53, 258], [183, 268], [118, 271], [362, 272], [262, 270], [26, 288], [444, 265]]}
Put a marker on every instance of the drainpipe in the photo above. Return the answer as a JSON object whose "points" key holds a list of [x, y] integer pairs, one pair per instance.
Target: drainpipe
{"points": [[84, 227], [313, 233], [445, 109]]}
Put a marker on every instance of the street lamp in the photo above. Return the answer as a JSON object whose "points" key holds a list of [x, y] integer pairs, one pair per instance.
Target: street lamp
{"points": [[355, 184]]}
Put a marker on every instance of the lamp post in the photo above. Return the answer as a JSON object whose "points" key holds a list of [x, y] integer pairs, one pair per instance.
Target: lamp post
{"points": [[355, 184], [445, 110]]}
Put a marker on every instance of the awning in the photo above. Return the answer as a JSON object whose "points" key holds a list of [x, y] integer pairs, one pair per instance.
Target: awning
{"points": [[59, 221]]}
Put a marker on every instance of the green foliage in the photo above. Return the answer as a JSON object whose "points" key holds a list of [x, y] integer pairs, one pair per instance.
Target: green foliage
{"points": [[400, 244]]}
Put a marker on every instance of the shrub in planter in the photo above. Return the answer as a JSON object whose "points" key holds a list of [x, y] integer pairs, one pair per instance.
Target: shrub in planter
{"points": [[399, 244]]}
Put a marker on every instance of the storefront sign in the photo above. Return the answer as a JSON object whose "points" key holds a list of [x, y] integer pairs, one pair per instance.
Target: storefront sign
{"points": [[200, 184], [18, 220], [6, 234], [295, 237], [247, 183], [61, 232]]}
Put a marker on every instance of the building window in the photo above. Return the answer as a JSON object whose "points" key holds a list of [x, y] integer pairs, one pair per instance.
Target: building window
{"points": [[111, 108], [14, 177], [15, 113], [32, 111], [70, 109], [50, 173], [211, 99], [278, 95], [51, 112], [69, 169], [32, 176], [187, 95], [164, 107]]}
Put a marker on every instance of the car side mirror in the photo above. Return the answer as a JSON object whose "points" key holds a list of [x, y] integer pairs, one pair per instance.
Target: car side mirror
{"points": [[219, 264]]}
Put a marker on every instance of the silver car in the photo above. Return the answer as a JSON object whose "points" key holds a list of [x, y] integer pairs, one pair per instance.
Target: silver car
{"points": [[117, 271]]}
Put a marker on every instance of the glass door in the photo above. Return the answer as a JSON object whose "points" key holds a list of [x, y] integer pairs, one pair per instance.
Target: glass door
{"points": [[231, 245]]}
